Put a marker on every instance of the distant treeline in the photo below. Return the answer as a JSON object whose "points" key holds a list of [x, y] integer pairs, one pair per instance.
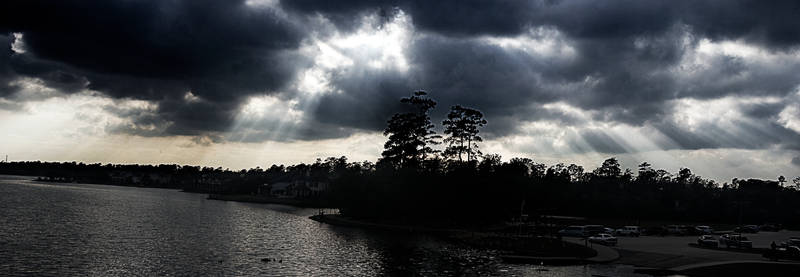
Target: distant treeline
{"points": [[189, 178], [476, 191]]}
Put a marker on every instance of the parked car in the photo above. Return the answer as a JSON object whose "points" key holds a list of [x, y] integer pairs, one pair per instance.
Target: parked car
{"points": [[603, 238], [703, 230], [631, 231], [752, 229], [591, 230], [770, 227], [792, 241], [735, 240], [707, 241], [785, 253], [573, 231], [654, 231], [677, 230]]}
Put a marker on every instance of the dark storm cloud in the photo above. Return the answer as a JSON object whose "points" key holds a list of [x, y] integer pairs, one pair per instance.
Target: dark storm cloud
{"points": [[6, 73], [174, 39], [508, 84], [52, 74], [746, 134], [762, 110], [477, 74], [728, 75], [743, 134], [221, 51], [626, 66], [510, 17], [796, 161], [771, 23], [629, 49], [501, 83], [371, 99]]}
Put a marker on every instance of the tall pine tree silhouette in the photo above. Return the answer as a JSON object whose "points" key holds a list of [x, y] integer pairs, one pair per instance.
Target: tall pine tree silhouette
{"points": [[411, 133], [462, 127]]}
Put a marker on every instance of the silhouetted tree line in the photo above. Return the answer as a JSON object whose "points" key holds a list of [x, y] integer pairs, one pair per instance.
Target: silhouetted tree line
{"points": [[491, 190], [415, 182]]}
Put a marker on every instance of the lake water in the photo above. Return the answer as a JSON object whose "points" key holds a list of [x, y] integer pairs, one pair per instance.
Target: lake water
{"points": [[80, 229]]}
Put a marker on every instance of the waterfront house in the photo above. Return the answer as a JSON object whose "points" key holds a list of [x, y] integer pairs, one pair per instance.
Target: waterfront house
{"points": [[294, 189], [280, 189]]}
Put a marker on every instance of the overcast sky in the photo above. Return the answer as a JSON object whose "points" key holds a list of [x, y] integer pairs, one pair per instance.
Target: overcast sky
{"points": [[709, 85]]}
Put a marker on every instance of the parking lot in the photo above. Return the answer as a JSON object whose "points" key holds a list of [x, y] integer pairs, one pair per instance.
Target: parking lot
{"points": [[674, 251]]}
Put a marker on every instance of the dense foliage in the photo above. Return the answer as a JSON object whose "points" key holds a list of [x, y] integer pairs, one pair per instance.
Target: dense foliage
{"points": [[448, 188], [492, 190], [462, 127]]}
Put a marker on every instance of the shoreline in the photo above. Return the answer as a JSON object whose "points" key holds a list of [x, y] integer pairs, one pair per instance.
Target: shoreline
{"points": [[95, 183], [569, 253], [604, 254], [303, 203]]}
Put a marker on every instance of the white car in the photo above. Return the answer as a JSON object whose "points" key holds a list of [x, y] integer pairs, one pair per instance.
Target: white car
{"points": [[631, 231], [677, 230], [703, 230], [735, 240], [603, 238], [707, 241], [591, 230]]}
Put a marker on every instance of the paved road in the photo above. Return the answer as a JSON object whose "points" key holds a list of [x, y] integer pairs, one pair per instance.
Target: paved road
{"points": [[605, 254]]}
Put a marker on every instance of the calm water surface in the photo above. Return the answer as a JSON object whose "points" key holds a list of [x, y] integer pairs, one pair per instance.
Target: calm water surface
{"points": [[80, 229]]}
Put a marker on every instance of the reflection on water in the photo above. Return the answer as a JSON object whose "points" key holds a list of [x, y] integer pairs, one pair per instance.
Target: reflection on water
{"points": [[78, 229]]}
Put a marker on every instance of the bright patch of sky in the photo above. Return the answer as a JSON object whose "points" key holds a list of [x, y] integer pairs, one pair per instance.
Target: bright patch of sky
{"points": [[540, 41]]}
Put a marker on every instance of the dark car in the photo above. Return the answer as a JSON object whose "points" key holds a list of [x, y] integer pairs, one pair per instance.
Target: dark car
{"points": [[787, 253], [770, 227], [591, 230], [655, 231], [792, 241], [707, 241], [752, 229], [735, 240], [573, 231], [677, 230], [701, 230], [632, 231]]}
